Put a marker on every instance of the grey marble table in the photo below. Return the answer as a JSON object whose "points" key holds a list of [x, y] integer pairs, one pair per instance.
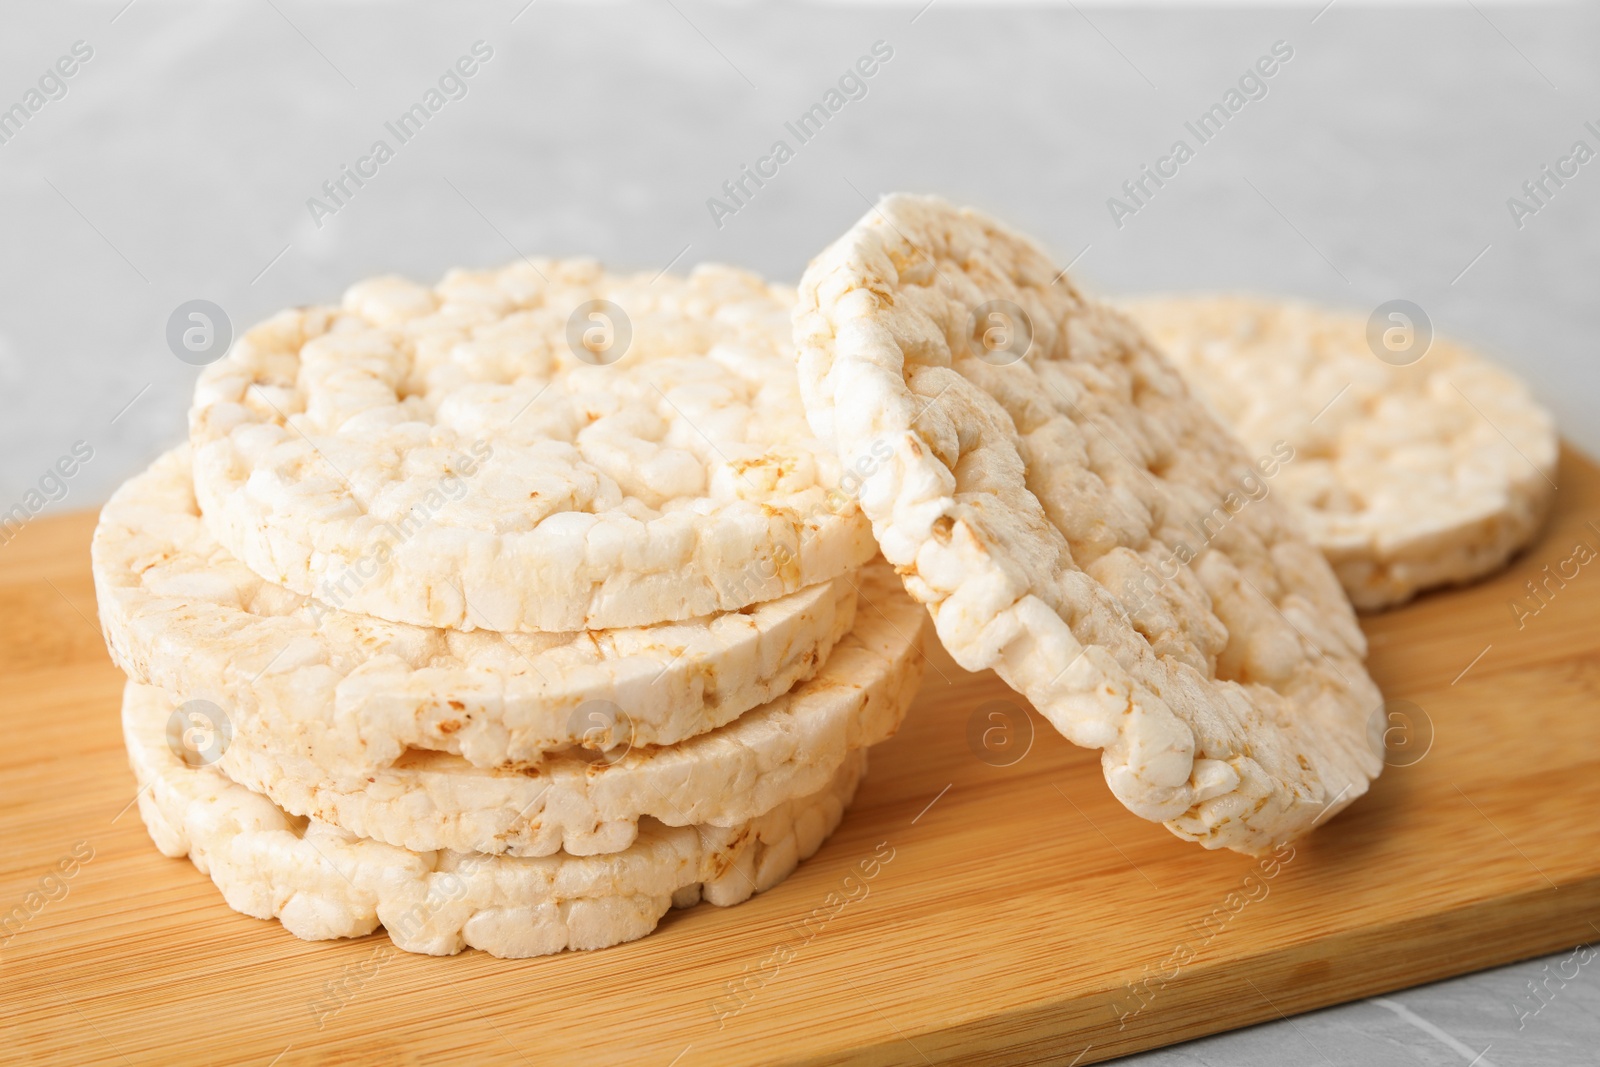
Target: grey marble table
{"points": [[180, 158]]}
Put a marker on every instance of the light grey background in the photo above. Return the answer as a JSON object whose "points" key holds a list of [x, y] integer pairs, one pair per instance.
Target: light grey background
{"points": [[179, 162]]}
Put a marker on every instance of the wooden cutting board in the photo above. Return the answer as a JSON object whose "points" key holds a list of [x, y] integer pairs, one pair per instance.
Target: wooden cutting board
{"points": [[1021, 915]]}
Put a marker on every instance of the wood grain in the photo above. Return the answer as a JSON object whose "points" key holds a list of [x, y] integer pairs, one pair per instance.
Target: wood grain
{"points": [[1020, 903]]}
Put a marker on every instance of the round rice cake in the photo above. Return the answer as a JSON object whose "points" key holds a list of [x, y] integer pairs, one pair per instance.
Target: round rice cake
{"points": [[584, 803], [544, 447], [1427, 473], [355, 693], [1043, 480], [322, 882]]}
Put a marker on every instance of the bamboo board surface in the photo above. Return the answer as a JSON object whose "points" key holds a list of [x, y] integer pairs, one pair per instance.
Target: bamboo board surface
{"points": [[1024, 915]]}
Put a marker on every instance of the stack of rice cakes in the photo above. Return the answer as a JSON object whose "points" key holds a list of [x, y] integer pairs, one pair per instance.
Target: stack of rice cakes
{"points": [[511, 613], [505, 614]]}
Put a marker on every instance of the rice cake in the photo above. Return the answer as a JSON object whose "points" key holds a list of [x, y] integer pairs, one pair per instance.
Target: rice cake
{"points": [[582, 803], [546, 447], [1425, 470], [1073, 517], [354, 693], [321, 882]]}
